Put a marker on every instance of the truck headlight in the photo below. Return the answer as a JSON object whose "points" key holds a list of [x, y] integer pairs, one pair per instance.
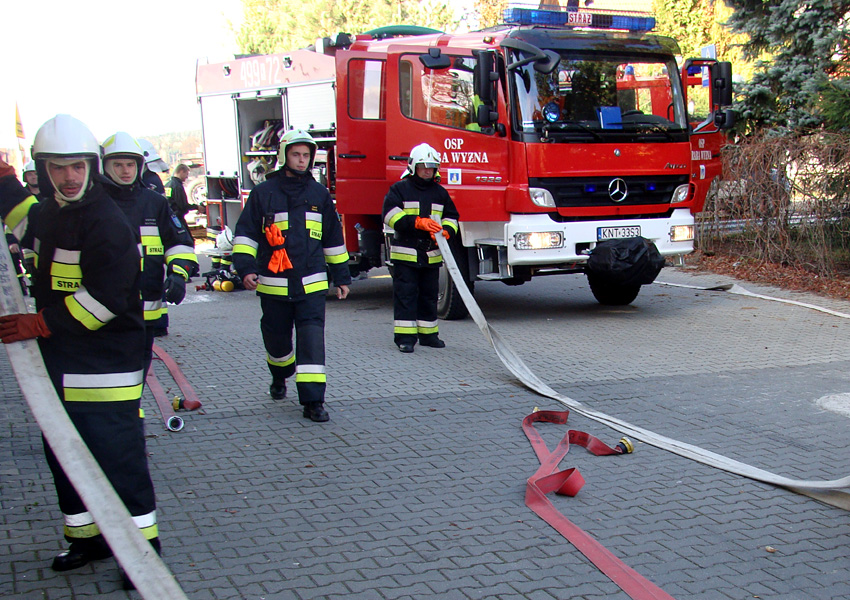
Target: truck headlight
{"points": [[542, 197], [681, 233], [538, 240], [681, 193]]}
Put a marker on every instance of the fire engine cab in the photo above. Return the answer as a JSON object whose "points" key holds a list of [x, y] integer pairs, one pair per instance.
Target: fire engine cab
{"points": [[561, 132]]}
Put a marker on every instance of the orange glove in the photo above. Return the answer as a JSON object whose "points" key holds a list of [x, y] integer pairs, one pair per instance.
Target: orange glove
{"points": [[16, 328], [280, 259], [428, 224], [446, 233]]}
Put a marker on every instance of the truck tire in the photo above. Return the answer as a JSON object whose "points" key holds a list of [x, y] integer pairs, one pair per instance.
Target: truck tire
{"points": [[450, 306], [612, 294]]}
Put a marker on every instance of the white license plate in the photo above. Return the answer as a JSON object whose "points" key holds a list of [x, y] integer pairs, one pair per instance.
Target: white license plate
{"points": [[614, 233]]}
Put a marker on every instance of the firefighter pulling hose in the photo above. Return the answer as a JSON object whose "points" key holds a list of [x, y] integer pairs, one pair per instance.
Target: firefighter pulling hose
{"points": [[102, 505]]}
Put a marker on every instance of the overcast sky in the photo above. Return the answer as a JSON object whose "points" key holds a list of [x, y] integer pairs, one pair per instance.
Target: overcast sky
{"points": [[116, 66]]}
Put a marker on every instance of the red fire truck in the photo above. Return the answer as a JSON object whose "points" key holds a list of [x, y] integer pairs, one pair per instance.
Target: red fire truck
{"points": [[559, 131]]}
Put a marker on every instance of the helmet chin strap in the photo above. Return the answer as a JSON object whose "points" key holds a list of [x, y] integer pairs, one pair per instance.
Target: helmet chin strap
{"points": [[64, 162]]}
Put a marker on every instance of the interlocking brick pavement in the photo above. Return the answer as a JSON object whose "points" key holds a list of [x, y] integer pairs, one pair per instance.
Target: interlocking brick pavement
{"points": [[415, 488]]}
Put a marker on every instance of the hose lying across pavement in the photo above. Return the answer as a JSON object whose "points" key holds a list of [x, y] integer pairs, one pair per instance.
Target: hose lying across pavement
{"points": [[144, 567], [835, 492]]}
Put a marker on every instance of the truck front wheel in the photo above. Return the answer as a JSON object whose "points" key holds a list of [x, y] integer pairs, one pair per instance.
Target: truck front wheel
{"points": [[450, 305], [611, 294]]}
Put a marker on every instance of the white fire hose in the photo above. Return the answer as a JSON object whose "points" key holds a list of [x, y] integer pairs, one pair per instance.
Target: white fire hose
{"points": [[835, 492], [135, 554]]}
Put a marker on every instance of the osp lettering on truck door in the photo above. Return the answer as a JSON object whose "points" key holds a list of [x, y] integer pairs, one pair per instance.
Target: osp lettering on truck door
{"points": [[456, 156]]}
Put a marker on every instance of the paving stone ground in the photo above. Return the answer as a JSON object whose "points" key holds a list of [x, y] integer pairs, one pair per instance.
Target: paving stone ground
{"points": [[415, 488]]}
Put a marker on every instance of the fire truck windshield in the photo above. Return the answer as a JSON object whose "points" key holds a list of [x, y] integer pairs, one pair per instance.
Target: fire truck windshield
{"points": [[600, 98]]}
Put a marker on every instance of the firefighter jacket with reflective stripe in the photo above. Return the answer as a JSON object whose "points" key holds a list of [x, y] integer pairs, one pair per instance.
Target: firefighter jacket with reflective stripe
{"points": [[87, 284], [304, 212], [176, 194], [166, 246], [416, 197]]}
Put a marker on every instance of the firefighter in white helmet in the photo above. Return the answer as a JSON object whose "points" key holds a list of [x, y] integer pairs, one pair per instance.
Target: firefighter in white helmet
{"points": [[418, 208], [286, 241], [89, 323], [168, 254], [152, 167]]}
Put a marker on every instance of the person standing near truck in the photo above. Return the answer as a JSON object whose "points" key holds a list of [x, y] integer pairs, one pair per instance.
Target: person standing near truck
{"points": [[89, 324], [287, 239], [176, 194], [417, 208]]}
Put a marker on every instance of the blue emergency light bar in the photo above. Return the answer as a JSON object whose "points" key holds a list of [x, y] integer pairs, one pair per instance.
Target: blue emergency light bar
{"points": [[584, 18]]}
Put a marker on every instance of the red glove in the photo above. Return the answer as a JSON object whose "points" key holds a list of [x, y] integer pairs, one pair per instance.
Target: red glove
{"points": [[16, 328], [446, 233], [6, 169], [280, 259], [427, 224]]}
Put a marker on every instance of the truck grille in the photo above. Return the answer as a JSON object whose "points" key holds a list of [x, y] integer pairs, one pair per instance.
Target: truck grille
{"points": [[593, 192]]}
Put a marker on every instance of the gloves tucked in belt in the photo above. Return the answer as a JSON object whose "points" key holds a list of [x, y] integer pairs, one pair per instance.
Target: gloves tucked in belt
{"points": [[16, 328], [280, 259], [175, 288]]}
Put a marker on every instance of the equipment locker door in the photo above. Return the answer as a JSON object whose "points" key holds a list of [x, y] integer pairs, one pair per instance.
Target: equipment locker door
{"points": [[438, 107]]}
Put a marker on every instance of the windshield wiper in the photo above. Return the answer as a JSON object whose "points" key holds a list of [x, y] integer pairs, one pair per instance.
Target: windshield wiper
{"points": [[566, 127]]}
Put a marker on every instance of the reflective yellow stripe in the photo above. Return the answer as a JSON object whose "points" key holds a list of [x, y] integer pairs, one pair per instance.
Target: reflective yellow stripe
{"points": [[283, 361], [17, 217], [87, 310], [188, 257], [393, 215], [65, 277], [315, 283], [244, 249], [180, 271], [273, 286], [403, 253], [404, 327], [310, 374], [335, 255], [121, 394]]}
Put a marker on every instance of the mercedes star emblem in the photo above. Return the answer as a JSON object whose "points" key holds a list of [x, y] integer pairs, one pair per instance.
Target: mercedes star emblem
{"points": [[618, 190]]}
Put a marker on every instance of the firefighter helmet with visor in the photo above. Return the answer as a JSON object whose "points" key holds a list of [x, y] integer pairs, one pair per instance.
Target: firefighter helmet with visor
{"points": [[122, 145], [291, 138], [424, 155], [61, 142]]}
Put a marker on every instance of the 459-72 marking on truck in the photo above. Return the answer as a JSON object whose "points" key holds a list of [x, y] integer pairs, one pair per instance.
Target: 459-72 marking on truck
{"points": [[260, 72]]}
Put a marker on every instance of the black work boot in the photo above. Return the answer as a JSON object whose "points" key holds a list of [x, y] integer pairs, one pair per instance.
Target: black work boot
{"points": [[278, 390], [81, 553], [315, 411], [432, 341]]}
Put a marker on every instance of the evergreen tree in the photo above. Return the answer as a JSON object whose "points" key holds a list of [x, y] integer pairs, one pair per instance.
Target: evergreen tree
{"points": [[807, 43], [279, 25]]}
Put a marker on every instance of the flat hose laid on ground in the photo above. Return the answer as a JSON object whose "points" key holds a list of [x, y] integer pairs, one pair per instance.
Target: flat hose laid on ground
{"points": [[135, 554], [835, 492]]}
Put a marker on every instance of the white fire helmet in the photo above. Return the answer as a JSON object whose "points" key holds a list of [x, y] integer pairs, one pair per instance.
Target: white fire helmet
{"points": [[29, 167], [425, 155], [122, 145], [224, 240], [152, 160], [292, 137], [64, 140]]}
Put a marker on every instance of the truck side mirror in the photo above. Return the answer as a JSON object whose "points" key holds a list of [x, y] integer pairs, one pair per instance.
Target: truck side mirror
{"points": [[721, 83], [486, 116], [724, 119], [435, 60], [484, 77]]}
